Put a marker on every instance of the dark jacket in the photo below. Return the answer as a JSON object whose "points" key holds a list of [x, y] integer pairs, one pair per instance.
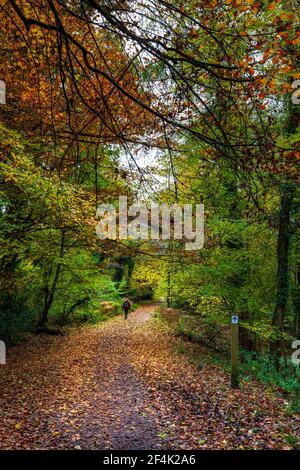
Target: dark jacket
{"points": [[126, 305]]}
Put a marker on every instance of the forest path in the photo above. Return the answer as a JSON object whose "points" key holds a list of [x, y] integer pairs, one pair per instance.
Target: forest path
{"points": [[126, 385]]}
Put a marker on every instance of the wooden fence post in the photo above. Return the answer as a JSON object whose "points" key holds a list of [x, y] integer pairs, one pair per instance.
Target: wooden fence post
{"points": [[234, 351]]}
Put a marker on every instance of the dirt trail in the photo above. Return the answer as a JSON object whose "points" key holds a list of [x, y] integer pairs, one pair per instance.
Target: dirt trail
{"points": [[123, 385], [116, 416]]}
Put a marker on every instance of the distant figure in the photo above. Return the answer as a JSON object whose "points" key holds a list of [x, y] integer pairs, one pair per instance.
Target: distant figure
{"points": [[126, 307]]}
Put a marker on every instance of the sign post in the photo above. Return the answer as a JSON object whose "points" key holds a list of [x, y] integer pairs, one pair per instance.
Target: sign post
{"points": [[234, 351], [2, 352], [2, 92]]}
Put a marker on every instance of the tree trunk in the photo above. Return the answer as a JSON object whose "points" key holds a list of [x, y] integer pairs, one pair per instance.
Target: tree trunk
{"points": [[282, 294], [284, 236], [169, 288], [297, 303], [49, 297]]}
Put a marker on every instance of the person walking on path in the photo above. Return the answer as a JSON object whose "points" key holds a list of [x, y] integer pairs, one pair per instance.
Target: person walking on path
{"points": [[126, 307]]}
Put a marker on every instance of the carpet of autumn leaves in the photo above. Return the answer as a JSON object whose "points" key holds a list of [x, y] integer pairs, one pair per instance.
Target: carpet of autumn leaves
{"points": [[125, 385]]}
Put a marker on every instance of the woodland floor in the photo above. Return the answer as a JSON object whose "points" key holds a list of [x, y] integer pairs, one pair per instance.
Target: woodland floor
{"points": [[125, 385]]}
